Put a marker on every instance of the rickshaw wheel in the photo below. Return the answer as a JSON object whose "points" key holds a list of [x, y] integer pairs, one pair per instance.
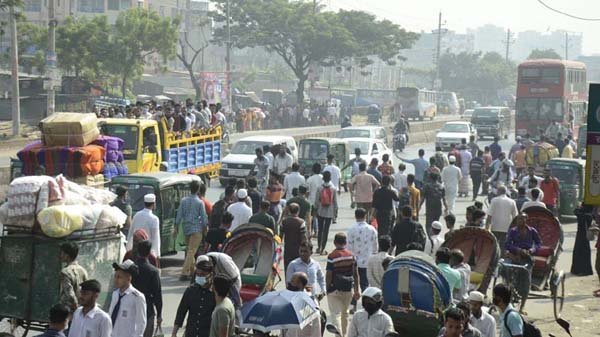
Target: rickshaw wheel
{"points": [[557, 291], [13, 326]]}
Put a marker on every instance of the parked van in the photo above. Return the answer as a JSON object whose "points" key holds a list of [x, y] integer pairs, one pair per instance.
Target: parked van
{"points": [[491, 121], [239, 163]]}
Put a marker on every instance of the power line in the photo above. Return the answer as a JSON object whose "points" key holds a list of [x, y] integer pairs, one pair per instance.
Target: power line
{"points": [[567, 14]]}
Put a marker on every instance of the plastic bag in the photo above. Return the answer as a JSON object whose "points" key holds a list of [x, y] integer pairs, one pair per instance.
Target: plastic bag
{"points": [[111, 217], [61, 221]]}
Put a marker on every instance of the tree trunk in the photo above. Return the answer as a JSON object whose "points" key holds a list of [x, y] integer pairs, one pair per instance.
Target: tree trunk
{"points": [[195, 81], [124, 86], [300, 92]]}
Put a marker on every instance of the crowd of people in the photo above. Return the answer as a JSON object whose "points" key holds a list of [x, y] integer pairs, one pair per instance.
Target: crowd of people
{"points": [[394, 212]]}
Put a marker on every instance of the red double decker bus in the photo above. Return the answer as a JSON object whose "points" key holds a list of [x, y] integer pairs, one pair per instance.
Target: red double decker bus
{"points": [[548, 91]]}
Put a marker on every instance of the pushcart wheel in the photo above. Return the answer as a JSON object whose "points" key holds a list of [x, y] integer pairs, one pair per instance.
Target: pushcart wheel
{"points": [[12, 326], [558, 296]]}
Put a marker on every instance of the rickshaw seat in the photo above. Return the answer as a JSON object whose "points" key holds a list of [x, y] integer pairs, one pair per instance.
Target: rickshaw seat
{"points": [[248, 292], [544, 251], [476, 278], [540, 263]]}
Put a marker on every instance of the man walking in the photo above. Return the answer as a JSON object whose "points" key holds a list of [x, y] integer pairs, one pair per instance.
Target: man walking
{"points": [[362, 187], [147, 221], [293, 234], [386, 168], [501, 213], [302, 201], [306, 264], [292, 180], [476, 169], [371, 321], [451, 176], [480, 319], [282, 163], [263, 217], [128, 305], [375, 263], [336, 174], [240, 210], [147, 280], [71, 276], [197, 302], [551, 191], [223, 317], [511, 323], [261, 167], [326, 206], [465, 162], [121, 203], [420, 165], [433, 194], [342, 282], [383, 205], [495, 148], [89, 320], [362, 242], [407, 231], [192, 218]]}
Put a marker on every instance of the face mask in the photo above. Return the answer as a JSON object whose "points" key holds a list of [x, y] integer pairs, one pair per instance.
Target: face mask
{"points": [[200, 280], [371, 307], [290, 287]]}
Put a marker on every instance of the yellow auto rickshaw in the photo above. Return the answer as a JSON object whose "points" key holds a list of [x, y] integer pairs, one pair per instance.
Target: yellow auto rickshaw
{"points": [[538, 154]]}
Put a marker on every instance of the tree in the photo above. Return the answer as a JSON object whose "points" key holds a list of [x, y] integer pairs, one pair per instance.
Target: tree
{"points": [[138, 34], [475, 75], [188, 61], [303, 36], [83, 45], [544, 54], [33, 40]]}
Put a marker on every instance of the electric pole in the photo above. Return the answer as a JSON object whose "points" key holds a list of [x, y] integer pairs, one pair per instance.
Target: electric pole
{"points": [[228, 60], [566, 46], [14, 60], [51, 59], [509, 41], [438, 51]]}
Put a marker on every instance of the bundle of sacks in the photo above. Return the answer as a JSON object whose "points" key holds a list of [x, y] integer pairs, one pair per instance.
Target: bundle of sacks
{"points": [[71, 145], [59, 207]]}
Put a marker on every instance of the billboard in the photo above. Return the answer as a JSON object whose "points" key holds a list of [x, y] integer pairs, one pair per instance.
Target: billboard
{"points": [[215, 87], [592, 167]]}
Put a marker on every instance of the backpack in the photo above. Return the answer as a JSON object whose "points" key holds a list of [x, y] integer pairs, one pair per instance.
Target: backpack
{"points": [[529, 330], [326, 196]]}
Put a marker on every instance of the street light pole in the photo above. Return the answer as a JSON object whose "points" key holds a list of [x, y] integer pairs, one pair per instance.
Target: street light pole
{"points": [[14, 58], [228, 58], [51, 59]]}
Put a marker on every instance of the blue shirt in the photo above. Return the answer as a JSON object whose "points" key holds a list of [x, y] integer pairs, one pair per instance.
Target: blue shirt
{"points": [[495, 150], [375, 173], [421, 165], [313, 271], [192, 215], [514, 322], [52, 333]]}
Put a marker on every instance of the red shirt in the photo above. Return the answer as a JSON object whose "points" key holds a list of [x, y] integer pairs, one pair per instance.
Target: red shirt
{"points": [[550, 189], [207, 206]]}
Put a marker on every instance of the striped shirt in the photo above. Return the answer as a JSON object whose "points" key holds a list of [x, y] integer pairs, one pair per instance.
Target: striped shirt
{"points": [[340, 263]]}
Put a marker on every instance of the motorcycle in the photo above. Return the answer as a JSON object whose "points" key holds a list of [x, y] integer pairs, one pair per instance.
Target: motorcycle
{"points": [[399, 142]]}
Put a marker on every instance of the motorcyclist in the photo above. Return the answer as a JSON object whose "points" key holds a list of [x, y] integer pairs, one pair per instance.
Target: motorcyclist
{"points": [[346, 122], [402, 128]]}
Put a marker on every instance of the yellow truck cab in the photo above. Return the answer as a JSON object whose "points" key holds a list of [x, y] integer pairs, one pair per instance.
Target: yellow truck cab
{"points": [[150, 147]]}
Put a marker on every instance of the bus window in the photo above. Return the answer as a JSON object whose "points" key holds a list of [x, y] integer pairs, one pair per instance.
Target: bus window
{"points": [[551, 75], [551, 109], [530, 75], [527, 108]]}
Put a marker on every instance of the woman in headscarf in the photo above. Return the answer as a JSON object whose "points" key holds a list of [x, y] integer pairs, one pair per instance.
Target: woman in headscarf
{"points": [[139, 236]]}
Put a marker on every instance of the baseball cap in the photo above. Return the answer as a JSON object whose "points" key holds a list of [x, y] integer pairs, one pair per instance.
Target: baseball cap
{"points": [[127, 266]]}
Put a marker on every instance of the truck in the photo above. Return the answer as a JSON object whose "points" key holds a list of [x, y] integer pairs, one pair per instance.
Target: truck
{"points": [[151, 147]]}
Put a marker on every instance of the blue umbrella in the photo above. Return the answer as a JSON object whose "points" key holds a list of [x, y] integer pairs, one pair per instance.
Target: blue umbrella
{"points": [[279, 310]]}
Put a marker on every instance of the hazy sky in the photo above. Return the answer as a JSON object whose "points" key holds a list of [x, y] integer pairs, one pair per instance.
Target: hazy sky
{"points": [[518, 15]]}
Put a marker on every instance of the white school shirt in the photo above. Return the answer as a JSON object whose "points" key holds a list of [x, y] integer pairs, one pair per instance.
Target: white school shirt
{"points": [[131, 320], [96, 323]]}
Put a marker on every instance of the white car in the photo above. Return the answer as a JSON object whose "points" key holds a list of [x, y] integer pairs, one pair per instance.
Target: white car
{"points": [[375, 132], [369, 148], [239, 163], [467, 114], [454, 133]]}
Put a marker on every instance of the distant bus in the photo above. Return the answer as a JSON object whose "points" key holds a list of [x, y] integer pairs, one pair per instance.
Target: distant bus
{"points": [[416, 103], [272, 96], [447, 103], [550, 91], [381, 97]]}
